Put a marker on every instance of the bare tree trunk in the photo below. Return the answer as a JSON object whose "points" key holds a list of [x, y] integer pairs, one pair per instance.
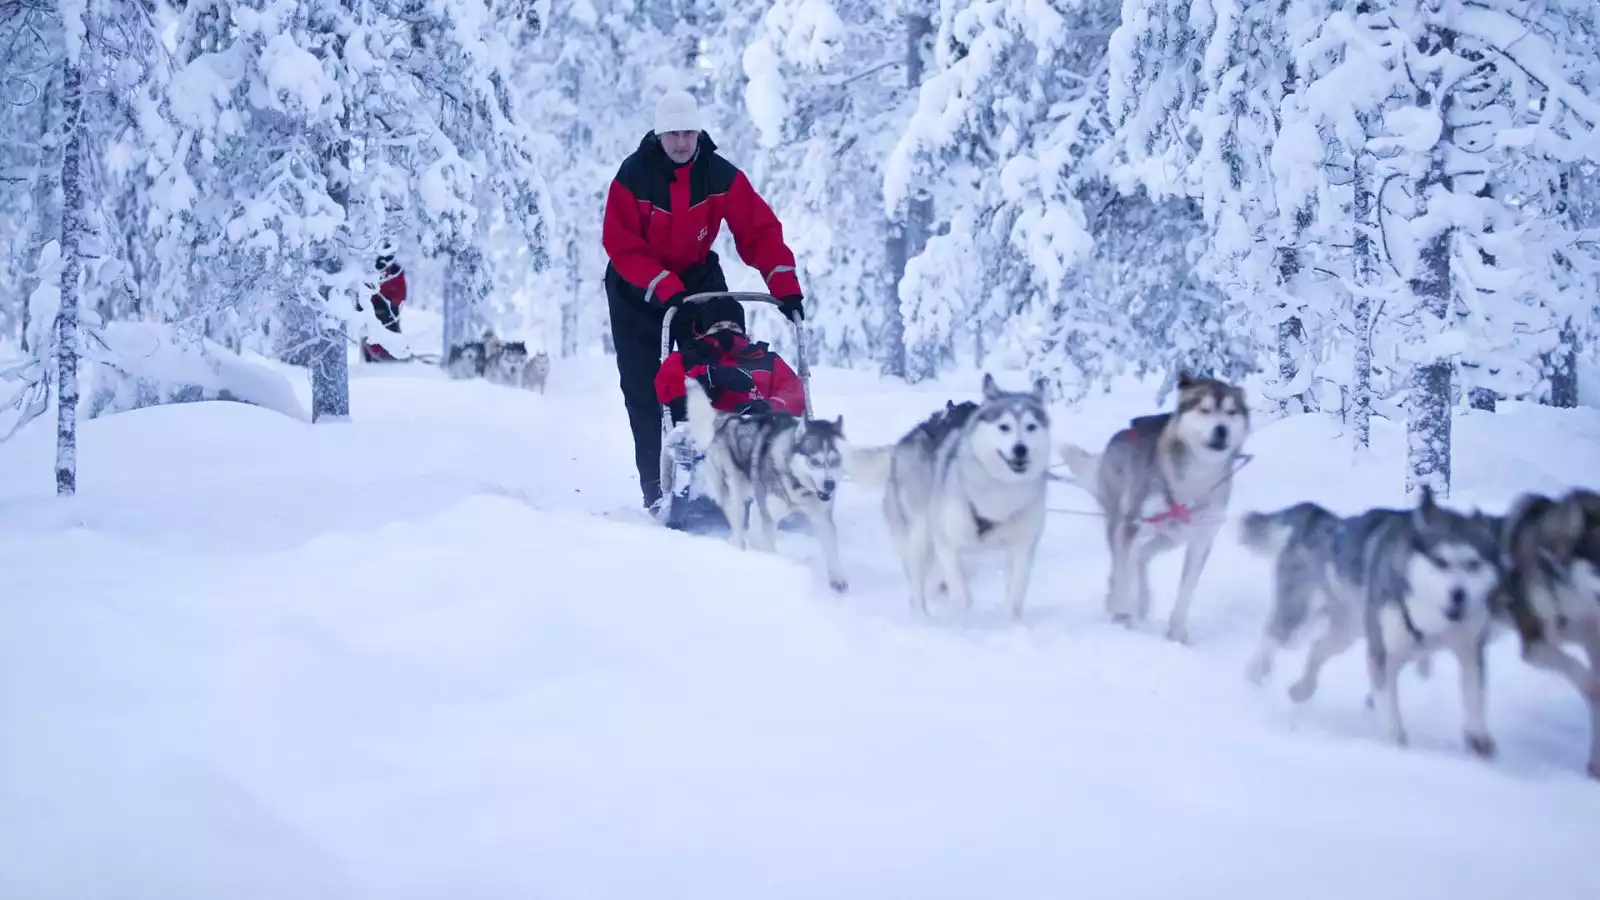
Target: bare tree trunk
{"points": [[1291, 343], [908, 236], [577, 138], [1563, 368], [1359, 402], [330, 365], [1482, 399], [571, 323], [466, 296], [1428, 425], [73, 225]]}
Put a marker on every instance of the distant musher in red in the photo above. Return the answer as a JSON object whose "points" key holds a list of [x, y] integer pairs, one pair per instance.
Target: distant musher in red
{"points": [[665, 207], [386, 301]]}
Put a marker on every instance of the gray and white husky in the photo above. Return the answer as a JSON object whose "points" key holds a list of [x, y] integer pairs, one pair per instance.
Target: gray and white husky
{"points": [[1162, 482], [764, 456], [1551, 552], [1410, 582], [971, 477]]}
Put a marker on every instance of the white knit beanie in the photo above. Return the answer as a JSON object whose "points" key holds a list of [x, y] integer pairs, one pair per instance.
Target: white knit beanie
{"points": [[677, 111]]}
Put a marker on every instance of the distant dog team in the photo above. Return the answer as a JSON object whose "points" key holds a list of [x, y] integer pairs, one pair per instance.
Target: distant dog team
{"points": [[499, 361]]}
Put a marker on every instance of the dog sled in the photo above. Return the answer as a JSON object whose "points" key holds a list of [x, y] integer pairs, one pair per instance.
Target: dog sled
{"points": [[685, 505]]}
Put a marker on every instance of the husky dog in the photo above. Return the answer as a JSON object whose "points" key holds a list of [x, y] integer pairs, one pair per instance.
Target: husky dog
{"points": [[499, 361], [970, 477], [503, 361], [1551, 596], [770, 455], [1163, 481], [536, 371], [1410, 581], [465, 360]]}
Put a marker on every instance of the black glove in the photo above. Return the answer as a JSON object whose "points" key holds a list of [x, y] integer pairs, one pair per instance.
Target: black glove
{"points": [[754, 408], [675, 300], [791, 307], [731, 379], [695, 353]]}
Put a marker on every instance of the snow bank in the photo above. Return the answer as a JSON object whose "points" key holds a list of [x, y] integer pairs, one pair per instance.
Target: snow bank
{"points": [[138, 364]]}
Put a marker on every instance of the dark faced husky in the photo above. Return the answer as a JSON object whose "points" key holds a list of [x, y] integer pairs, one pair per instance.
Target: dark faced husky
{"points": [[1410, 581], [970, 477], [1164, 482], [1551, 550], [764, 456]]}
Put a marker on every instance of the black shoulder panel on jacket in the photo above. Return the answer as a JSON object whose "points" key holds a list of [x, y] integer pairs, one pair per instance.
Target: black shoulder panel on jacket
{"points": [[717, 177], [647, 174]]}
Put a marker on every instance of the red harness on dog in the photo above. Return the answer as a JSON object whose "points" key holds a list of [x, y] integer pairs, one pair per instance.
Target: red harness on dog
{"points": [[1175, 512]]}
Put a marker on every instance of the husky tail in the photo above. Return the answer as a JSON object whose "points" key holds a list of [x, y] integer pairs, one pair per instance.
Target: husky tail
{"points": [[1268, 533], [1084, 466], [868, 465], [702, 416]]}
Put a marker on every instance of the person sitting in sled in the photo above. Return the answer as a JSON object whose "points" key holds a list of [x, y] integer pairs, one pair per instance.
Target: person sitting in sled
{"points": [[739, 375]]}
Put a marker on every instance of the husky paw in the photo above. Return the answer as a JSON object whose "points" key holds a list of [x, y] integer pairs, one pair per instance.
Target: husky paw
{"points": [[1594, 770], [1258, 670], [1424, 668], [1178, 634], [1481, 745], [839, 585], [1302, 690]]}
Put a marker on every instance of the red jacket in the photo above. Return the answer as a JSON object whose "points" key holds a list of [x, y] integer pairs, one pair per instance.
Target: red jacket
{"points": [[776, 383], [392, 285], [662, 218]]}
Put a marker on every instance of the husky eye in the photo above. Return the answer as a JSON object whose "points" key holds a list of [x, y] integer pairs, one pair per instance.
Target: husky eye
{"points": [[1031, 428], [1005, 427]]}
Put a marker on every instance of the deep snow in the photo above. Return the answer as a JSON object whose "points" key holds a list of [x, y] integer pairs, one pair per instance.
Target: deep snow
{"points": [[436, 652]]}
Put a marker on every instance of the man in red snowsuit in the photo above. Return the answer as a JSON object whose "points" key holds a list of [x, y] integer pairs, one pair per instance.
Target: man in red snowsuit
{"points": [[740, 376], [386, 302], [664, 209]]}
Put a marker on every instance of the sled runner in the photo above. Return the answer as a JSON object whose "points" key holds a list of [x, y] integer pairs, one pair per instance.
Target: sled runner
{"points": [[684, 504]]}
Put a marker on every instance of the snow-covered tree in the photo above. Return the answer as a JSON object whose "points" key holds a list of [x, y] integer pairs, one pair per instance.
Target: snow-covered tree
{"points": [[826, 85], [1014, 137], [312, 129], [590, 84]]}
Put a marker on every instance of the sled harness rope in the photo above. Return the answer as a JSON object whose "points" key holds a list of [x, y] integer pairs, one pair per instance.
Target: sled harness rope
{"points": [[1179, 513]]}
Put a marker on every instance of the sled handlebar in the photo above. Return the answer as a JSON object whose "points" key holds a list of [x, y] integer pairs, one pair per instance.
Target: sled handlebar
{"points": [[803, 368]]}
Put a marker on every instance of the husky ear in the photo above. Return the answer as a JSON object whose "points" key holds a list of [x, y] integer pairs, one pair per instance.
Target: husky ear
{"points": [[1040, 385], [1185, 381], [991, 390], [838, 424], [1428, 513], [1563, 531]]}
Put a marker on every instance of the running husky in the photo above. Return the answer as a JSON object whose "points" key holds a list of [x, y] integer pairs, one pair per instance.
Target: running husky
{"points": [[1165, 481], [764, 455], [1410, 581], [1551, 550], [970, 477]]}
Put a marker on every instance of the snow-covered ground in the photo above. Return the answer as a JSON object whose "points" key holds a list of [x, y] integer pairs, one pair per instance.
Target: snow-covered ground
{"points": [[437, 653]]}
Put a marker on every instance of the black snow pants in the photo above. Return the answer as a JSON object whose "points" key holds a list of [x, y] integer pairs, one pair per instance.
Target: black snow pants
{"points": [[636, 337]]}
